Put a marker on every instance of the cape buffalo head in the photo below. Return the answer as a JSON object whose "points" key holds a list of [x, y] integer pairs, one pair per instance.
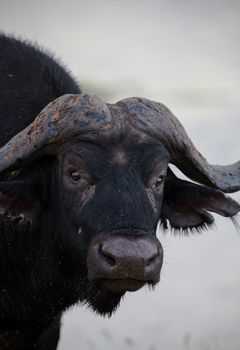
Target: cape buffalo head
{"points": [[94, 182]]}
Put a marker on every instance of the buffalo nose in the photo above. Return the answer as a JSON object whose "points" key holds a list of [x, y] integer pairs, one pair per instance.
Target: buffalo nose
{"points": [[120, 258], [128, 253]]}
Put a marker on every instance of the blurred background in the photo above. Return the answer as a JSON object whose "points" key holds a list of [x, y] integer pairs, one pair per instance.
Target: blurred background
{"points": [[185, 54]]}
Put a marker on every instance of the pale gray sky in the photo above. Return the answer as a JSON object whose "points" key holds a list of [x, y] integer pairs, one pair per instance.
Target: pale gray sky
{"points": [[140, 46]]}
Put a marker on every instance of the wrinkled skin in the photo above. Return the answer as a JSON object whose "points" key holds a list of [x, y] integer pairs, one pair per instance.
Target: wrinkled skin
{"points": [[80, 224]]}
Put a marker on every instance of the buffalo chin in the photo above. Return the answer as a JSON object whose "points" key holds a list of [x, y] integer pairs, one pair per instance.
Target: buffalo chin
{"points": [[103, 301], [104, 297]]}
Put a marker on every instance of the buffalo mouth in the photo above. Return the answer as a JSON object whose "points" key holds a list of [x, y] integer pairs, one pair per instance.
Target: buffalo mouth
{"points": [[121, 285]]}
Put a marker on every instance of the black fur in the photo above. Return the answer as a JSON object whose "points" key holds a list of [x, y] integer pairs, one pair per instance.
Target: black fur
{"points": [[30, 79]]}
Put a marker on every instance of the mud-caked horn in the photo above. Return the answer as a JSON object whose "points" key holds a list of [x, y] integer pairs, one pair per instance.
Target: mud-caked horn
{"points": [[60, 120]]}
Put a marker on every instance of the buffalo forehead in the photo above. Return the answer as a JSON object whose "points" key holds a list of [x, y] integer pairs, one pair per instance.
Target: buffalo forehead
{"points": [[120, 157], [121, 138]]}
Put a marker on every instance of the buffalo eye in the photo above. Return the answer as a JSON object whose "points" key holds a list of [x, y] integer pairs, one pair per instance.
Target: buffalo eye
{"points": [[159, 181], [75, 175]]}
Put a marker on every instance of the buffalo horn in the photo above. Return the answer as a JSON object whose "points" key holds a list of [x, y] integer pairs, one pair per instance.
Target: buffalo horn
{"points": [[61, 119], [157, 121]]}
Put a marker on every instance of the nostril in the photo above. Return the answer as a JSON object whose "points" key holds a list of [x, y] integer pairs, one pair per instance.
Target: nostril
{"points": [[107, 256], [151, 259]]}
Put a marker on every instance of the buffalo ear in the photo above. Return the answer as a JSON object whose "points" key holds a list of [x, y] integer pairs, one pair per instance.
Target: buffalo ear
{"points": [[187, 205], [19, 200]]}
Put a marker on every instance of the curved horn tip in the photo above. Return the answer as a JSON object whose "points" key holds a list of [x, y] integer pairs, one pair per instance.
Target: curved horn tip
{"points": [[229, 177]]}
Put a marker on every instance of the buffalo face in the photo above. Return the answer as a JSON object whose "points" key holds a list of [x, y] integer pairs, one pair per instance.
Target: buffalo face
{"points": [[112, 197]]}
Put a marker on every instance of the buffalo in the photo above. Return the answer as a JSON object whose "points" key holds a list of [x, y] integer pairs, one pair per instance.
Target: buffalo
{"points": [[83, 186]]}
